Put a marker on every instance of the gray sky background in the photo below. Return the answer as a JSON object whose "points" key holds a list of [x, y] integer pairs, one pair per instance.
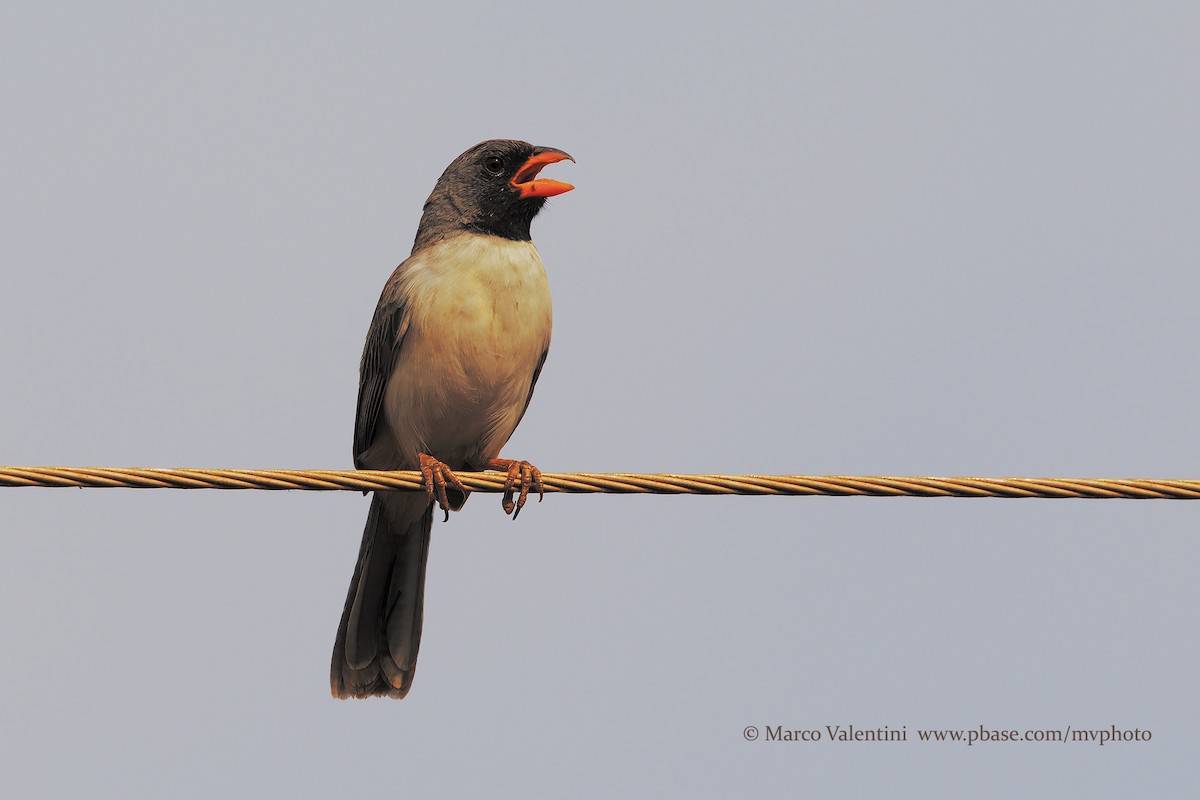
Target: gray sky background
{"points": [[827, 238]]}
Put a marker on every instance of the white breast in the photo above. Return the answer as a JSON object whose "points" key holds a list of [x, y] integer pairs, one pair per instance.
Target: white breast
{"points": [[480, 319]]}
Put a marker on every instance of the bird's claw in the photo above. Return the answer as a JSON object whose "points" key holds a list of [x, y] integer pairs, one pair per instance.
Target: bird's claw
{"points": [[530, 477], [437, 475]]}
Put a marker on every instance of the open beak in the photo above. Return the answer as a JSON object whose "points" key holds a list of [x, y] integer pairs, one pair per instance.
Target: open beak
{"points": [[530, 185]]}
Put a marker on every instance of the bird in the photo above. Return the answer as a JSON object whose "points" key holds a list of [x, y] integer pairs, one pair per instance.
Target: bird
{"points": [[453, 352]]}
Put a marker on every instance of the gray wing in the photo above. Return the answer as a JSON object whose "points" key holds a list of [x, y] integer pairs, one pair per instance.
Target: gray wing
{"points": [[384, 340], [536, 372]]}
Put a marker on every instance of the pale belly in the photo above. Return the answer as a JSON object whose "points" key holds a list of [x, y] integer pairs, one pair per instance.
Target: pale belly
{"points": [[480, 322]]}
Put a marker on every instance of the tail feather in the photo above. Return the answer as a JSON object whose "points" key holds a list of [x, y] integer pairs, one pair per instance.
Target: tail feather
{"points": [[406, 598], [375, 652]]}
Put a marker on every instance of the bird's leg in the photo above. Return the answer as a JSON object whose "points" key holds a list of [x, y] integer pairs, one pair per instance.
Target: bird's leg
{"points": [[526, 473], [437, 475]]}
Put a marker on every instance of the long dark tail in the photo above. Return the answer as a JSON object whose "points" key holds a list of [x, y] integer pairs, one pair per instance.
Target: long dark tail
{"points": [[377, 641]]}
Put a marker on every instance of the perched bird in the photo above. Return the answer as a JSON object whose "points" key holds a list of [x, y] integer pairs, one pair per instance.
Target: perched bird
{"points": [[452, 355]]}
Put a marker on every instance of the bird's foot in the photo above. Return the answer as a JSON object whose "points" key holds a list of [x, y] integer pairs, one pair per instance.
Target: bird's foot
{"points": [[529, 477], [437, 475]]}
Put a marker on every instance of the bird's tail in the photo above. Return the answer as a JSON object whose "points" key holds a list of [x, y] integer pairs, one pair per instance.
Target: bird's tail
{"points": [[377, 641]]}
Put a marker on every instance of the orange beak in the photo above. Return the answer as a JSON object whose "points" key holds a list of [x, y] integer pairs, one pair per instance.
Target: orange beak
{"points": [[530, 185]]}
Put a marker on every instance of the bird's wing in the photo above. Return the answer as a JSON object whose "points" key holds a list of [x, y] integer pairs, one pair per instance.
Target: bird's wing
{"points": [[536, 372], [385, 337]]}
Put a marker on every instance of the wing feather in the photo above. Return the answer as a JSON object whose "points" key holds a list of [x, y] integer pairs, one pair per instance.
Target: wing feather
{"points": [[385, 337], [536, 372]]}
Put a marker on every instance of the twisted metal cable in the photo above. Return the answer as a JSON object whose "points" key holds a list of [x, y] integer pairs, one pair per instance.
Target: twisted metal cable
{"points": [[607, 482]]}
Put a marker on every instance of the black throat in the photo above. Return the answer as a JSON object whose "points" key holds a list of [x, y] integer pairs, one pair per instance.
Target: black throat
{"points": [[443, 217]]}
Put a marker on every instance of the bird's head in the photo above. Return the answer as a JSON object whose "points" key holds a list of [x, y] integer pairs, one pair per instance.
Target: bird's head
{"points": [[493, 188]]}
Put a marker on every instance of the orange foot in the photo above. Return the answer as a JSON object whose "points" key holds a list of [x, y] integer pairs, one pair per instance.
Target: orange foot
{"points": [[437, 475], [527, 474]]}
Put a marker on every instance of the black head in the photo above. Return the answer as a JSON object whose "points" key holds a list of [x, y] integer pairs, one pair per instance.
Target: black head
{"points": [[492, 188]]}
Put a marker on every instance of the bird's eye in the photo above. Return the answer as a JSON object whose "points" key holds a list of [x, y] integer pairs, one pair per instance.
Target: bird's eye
{"points": [[494, 164]]}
